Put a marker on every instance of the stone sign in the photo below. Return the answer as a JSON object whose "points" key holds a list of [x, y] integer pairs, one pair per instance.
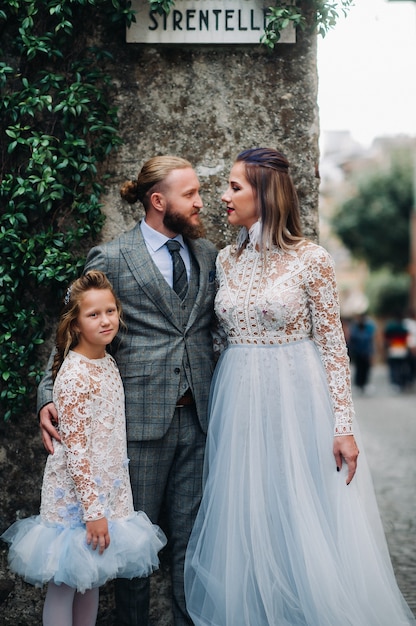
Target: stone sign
{"points": [[203, 22]]}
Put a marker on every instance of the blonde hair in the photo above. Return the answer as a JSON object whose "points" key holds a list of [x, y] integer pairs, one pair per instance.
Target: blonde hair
{"points": [[267, 171], [151, 178], [66, 335]]}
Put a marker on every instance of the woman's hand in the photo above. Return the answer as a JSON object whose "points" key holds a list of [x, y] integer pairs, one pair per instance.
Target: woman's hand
{"points": [[345, 448], [98, 535], [48, 422]]}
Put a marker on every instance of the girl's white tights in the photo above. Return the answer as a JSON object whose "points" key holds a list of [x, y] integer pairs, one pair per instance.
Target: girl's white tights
{"points": [[64, 606]]}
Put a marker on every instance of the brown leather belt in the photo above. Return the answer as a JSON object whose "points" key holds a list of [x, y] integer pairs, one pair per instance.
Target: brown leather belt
{"points": [[186, 400]]}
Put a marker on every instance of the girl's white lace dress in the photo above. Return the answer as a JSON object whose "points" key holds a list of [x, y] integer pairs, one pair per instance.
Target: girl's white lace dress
{"points": [[280, 539], [85, 479]]}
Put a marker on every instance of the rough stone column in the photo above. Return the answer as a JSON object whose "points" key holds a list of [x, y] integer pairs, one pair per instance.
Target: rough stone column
{"points": [[207, 103]]}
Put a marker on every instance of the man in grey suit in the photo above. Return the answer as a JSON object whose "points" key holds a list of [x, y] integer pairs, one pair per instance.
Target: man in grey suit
{"points": [[166, 360]]}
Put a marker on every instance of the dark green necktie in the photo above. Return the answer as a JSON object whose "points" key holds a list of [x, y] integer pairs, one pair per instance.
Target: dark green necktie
{"points": [[180, 279]]}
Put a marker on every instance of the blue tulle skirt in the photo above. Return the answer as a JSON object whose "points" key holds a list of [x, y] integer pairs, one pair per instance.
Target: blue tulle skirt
{"points": [[41, 553], [280, 539]]}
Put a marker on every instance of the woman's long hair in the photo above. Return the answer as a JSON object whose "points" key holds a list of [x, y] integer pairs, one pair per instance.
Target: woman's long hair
{"points": [[267, 171], [66, 335]]}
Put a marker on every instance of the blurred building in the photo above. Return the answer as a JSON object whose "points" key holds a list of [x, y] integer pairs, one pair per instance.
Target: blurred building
{"points": [[341, 157]]}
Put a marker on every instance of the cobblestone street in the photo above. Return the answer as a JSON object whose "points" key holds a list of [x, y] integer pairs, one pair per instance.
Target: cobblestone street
{"points": [[388, 425]]}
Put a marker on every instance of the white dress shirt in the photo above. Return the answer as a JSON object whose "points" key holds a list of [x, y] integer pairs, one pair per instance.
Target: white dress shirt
{"points": [[156, 245]]}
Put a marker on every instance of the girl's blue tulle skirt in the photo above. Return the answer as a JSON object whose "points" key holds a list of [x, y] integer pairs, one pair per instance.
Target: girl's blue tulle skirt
{"points": [[41, 553]]}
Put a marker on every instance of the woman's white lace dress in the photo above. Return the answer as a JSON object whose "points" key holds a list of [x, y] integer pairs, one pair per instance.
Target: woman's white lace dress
{"points": [[280, 539], [85, 479]]}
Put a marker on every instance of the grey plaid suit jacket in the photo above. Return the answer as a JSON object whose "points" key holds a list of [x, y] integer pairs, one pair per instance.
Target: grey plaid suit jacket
{"points": [[150, 354]]}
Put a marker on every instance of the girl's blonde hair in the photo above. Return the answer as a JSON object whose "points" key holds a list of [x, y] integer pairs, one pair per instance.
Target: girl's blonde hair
{"points": [[151, 178], [66, 335], [267, 171]]}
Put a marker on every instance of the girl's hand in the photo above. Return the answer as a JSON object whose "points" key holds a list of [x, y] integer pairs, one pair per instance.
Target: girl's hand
{"points": [[346, 449], [98, 535]]}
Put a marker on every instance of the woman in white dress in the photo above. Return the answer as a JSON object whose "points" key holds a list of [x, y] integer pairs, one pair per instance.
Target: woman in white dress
{"points": [[284, 535]]}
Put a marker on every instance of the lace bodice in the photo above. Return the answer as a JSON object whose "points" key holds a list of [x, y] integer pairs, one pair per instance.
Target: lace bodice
{"points": [[287, 296], [87, 476]]}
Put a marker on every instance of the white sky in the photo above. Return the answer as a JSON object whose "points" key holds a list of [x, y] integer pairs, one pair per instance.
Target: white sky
{"points": [[367, 71]]}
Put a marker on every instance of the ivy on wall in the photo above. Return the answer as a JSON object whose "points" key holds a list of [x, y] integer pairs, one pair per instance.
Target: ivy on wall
{"points": [[57, 126]]}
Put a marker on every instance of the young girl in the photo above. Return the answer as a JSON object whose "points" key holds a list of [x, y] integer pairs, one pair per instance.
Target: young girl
{"points": [[87, 531]]}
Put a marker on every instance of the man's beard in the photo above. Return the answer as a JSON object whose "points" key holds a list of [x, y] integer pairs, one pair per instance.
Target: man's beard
{"points": [[181, 226]]}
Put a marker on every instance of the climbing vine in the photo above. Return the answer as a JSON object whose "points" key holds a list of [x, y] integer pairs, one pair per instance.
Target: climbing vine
{"points": [[57, 125]]}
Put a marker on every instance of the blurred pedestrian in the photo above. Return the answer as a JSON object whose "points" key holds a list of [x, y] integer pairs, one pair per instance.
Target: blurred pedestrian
{"points": [[361, 349], [395, 344], [410, 325]]}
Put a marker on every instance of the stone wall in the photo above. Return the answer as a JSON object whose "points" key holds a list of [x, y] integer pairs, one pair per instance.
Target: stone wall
{"points": [[207, 104]]}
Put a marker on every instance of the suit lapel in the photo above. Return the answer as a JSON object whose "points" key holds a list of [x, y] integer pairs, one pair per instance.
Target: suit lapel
{"points": [[147, 274], [151, 280]]}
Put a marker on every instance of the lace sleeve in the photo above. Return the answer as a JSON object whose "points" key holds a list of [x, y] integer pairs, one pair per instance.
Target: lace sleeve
{"points": [[329, 337], [219, 339], [75, 409], [219, 336]]}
